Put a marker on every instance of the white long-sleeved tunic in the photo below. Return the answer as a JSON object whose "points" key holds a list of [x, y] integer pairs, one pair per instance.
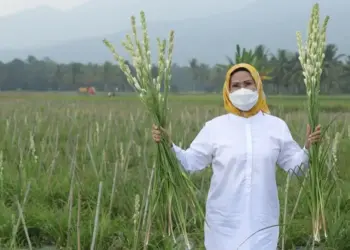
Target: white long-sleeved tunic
{"points": [[243, 197]]}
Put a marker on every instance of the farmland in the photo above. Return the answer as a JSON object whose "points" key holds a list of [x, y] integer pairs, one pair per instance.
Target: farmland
{"points": [[56, 149]]}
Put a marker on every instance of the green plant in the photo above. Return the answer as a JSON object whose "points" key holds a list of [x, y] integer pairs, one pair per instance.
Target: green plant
{"points": [[311, 56], [164, 201]]}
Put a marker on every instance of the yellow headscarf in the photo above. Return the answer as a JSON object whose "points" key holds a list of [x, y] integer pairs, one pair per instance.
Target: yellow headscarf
{"points": [[261, 104]]}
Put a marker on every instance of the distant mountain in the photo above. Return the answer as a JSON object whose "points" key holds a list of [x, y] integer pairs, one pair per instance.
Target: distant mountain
{"points": [[209, 39], [45, 26]]}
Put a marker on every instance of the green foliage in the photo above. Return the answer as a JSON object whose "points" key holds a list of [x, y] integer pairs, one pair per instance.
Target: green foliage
{"points": [[257, 58], [283, 68]]}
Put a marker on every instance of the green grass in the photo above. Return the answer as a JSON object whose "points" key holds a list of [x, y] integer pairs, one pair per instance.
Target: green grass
{"points": [[97, 138], [328, 103]]}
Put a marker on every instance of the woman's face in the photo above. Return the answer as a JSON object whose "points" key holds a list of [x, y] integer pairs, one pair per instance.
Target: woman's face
{"points": [[242, 79]]}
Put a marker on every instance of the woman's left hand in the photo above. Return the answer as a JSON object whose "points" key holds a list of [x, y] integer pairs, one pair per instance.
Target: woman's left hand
{"points": [[313, 137]]}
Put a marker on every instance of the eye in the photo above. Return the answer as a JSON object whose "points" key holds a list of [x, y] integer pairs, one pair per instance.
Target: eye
{"points": [[249, 83], [234, 85]]}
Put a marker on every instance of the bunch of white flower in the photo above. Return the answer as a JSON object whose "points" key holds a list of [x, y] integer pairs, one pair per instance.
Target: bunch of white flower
{"points": [[166, 200], [311, 57]]}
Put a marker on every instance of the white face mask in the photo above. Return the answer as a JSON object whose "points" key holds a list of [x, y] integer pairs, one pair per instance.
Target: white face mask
{"points": [[244, 99]]}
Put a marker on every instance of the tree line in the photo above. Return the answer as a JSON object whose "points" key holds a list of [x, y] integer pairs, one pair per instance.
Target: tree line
{"points": [[282, 73]]}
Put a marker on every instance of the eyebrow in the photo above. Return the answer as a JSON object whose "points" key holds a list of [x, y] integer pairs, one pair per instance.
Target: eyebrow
{"points": [[237, 81]]}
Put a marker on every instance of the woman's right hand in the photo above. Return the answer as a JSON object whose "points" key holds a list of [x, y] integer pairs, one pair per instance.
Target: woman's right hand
{"points": [[159, 133]]}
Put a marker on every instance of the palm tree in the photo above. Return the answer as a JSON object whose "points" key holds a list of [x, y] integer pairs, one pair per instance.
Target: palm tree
{"points": [[331, 61], [295, 74], [58, 77], [345, 75], [76, 70], [194, 67], [107, 67], [280, 63], [257, 57], [216, 78]]}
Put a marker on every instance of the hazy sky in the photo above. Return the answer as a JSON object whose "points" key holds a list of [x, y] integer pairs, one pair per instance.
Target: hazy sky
{"points": [[12, 6]]}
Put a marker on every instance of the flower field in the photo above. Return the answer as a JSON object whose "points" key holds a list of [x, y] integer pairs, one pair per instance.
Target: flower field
{"points": [[74, 170]]}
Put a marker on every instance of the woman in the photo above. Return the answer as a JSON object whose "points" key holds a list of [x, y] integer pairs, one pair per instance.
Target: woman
{"points": [[243, 148]]}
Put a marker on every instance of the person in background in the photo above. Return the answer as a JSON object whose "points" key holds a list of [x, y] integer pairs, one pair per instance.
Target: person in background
{"points": [[243, 148]]}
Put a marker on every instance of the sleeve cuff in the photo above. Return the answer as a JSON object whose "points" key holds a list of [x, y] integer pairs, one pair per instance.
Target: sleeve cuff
{"points": [[175, 148], [305, 156]]}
